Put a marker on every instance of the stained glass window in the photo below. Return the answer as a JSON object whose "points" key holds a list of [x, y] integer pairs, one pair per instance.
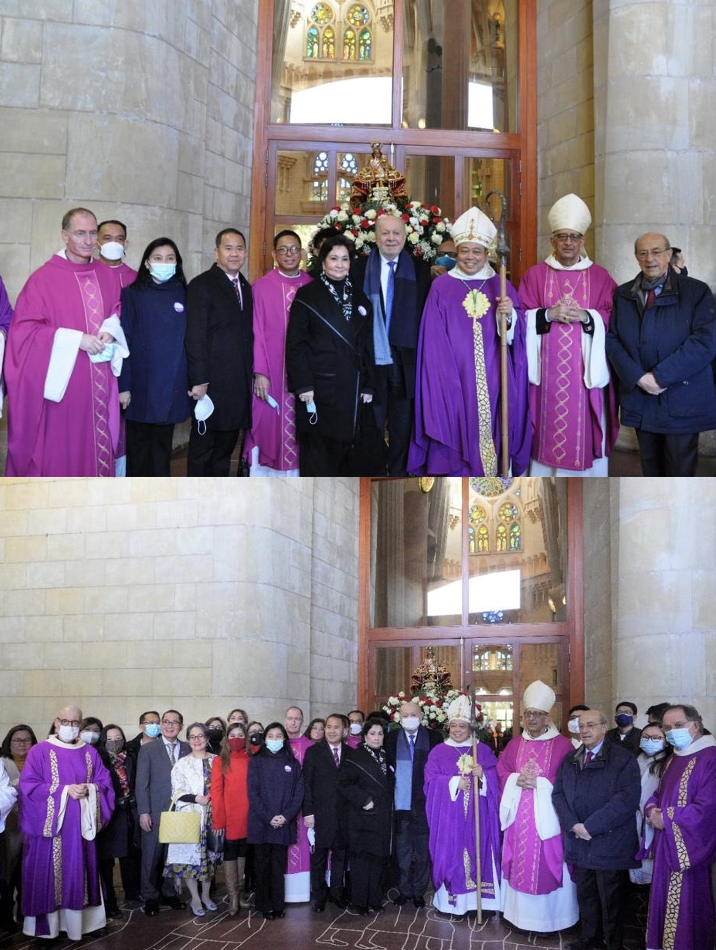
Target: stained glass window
{"points": [[329, 43], [364, 45], [312, 46], [358, 15], [515, 538], [501, 537], [320, 171], [504, 660], [483, 539], [490, 487], [471, 540], [349, 44], [321, 13], [508, 512], [477, 514], [347, 171]]}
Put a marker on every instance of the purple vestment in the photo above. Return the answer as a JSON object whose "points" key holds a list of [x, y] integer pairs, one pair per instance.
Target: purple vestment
{"points": [[77, 436], [60, 869], [5, 309], [681, 908], [274, 431], [124, 275], [567, 416], [457, 400], [299, 854], [452, 823]]}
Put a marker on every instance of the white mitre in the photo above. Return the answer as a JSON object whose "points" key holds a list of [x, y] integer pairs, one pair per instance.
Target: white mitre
{"points": [[460, 709], [475, 227], [538, 695], [569, 212]]}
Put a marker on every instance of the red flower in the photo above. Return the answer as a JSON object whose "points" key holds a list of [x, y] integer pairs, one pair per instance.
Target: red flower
{"points": [[418, 252], [435, 209], [355, 232], [364, 223], [436, 220], [405, 217], [338, 226]]}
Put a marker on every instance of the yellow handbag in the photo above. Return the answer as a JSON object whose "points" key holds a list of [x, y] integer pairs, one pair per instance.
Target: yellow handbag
{"points": [[179, 827]]}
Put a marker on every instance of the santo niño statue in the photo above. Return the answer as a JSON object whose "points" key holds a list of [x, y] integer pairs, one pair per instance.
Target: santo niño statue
{"points": [[377, 181]]}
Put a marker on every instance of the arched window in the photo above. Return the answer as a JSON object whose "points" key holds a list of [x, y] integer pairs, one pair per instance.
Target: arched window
{"points": [[348, 171], [349, 44], [312, 43], [329, 43], [320, 177], [483, 539], [501, 537], [471, 540], [515, 538], [365, 44]]}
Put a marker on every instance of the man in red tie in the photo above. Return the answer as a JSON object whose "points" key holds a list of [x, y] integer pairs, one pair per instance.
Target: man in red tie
{"points": [[595, 795]]}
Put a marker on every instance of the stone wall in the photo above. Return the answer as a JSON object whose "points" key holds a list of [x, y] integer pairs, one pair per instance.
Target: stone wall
{"points": [[599, 564], [196, 594]]}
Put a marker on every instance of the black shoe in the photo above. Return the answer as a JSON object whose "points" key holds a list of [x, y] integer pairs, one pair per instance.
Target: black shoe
{"points": [[418, 902], [268, 915], [338, 901], [113, 912], [278, 914], [151, 908], [400, 900], [174, 902], [378, 908], [361, 911], [319, 906]]}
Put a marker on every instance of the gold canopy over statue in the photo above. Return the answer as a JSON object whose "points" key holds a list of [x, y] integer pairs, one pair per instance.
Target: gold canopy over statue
{"points": [[430, 676], [378, 181]]}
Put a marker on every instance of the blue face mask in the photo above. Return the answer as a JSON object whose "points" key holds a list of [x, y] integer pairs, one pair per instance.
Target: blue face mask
{"points": [[446, 261], [274, 745], [651, 746], [152, 730], [162, 272], [623, 719], [679, 738]]}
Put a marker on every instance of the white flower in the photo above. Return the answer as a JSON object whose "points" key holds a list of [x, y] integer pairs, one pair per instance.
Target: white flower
{"points": [[342, 216], [414, 204], [413, 237], [360, 241], [356, 218], [414, 222], [437, 239], [370, 214], [370, 236], [390, 207], [441, 227], [350, 235], [345, 206], [333, 213]]}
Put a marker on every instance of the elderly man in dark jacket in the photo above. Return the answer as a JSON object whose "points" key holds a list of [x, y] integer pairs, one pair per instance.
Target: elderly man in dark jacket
{"points": [[595, 795], [661, 343]]}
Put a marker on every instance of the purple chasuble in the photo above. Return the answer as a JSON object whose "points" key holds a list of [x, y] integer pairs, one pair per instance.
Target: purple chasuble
{"points": [[125, 275], [567, 416], [299, 854], [531, 865], [5, 310], [274, 431], [452, 823], [77, 436], [681, 906], [457, 404], [60, 868]]}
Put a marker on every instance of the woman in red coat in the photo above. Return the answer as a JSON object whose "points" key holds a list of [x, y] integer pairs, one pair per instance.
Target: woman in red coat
{"points": [[230, 804]]}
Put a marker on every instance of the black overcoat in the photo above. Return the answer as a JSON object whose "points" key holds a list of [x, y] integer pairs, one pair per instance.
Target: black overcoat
{"points": [[417, 799], [331, 356], [321, 797], [360, 782], [275, 786], [220, 346]]}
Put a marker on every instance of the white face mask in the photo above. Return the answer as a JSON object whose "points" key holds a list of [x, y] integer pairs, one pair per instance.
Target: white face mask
{"points": [[68, 733], [356, 728], [202, 410], [112, 250], [573, 726], [89, 737], [410, 723]]}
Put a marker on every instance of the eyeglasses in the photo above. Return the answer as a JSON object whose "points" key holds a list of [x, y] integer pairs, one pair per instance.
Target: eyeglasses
{"points": [[24, 741], [533, 715], [655, 251], [566, 238], [83, 235], [70, 722], [285, 251], [196, 738], [171, 722]]}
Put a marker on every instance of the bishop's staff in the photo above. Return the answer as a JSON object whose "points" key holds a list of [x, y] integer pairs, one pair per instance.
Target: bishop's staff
{"points": [[474, 726], [502, 250]]}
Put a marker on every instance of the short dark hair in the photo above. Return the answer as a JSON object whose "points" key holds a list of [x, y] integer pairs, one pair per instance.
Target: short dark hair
{"points": [[287, 748], [224, 231], [149, 712], [359, 711], [578, 708], [339, 716], [655, 712], [214, 719], [103, 734], [197, 725], [176, 713], [69, 215], [323, 234], [626, 702], [286, 233], [143, 280], [91, 721], [5, 752], [122, 225], [373, 721], [332, 242]]}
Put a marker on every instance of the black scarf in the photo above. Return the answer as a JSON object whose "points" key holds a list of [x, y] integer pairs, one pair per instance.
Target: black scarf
{"points": [[342, 293], [379, 756]]}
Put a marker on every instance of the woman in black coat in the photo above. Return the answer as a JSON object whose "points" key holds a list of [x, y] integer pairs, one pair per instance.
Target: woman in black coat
{"points": [[367, 784], [275, 796], [329, 361]]}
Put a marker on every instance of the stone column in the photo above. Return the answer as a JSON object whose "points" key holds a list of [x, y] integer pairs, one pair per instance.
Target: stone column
{"points": [[664, 592]]}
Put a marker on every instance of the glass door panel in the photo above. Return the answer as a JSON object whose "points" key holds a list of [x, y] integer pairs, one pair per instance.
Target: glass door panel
{"points": [[431, 179], [302, 182], [403, 667], [348, 164], [546, 662]]}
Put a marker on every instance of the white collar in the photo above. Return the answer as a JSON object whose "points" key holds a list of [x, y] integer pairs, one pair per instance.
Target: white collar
{"points": [[289, 276], [458, 745], [698, 745], [483, 274], [550, 734], [77, 744], [582, 264]]}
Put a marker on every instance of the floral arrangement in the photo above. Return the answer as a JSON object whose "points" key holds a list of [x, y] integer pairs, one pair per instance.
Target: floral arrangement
{"points": [[426, 227], [433, 705]]}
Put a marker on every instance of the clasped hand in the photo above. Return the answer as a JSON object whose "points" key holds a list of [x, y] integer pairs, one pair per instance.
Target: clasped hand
{"points": [[649, 384], [277, 821], [565, 312], [656, 819], [465, 780], [77, 791], [526, 780], [95, 344], [581, 832]]}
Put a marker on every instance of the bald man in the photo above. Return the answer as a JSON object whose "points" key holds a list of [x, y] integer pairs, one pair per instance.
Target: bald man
{"points": [[66, 798], [661, 343]]}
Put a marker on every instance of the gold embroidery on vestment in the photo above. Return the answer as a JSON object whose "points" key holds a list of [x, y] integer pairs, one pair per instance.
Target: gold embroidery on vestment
{"points": [[671, 917], [469, 882], [54, 771], [488, 455], [57, 868]]}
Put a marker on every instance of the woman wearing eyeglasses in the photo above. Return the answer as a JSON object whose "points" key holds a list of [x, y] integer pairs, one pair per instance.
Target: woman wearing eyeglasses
{"points": [[191, 781], [13, 752]]}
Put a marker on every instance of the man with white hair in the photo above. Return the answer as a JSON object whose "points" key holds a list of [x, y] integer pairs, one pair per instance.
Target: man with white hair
{"points": [[538, 891], [457, 405], [66, 798], [568, 302], [450, 775]]}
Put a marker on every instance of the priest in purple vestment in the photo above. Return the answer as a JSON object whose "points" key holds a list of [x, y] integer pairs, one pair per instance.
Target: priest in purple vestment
{"points": [[683, 814], [298, 871], [63, 358], [66, 798], [449, 808], [457, 404], [568, 302], [539, 894], [271, 446]]}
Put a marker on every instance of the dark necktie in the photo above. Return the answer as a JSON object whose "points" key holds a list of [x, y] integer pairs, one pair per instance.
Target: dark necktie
{"points": [[389, 296], [237, 288], [412, 747], [170, 750], [335, 756], [588, 757], [650, 298]]}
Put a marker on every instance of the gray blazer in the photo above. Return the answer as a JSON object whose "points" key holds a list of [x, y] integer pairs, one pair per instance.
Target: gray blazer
{"points": [[153, 786]]}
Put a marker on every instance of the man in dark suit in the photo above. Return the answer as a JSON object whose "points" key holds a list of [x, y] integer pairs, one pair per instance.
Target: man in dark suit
{"points": [[626, 733], [153, 790], [325, 812], [219, 346], [396, 284], [407, 750]]}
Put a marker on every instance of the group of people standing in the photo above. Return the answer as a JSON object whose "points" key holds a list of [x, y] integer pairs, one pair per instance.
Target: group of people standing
{"points": [[306, 373], [319, 815]]}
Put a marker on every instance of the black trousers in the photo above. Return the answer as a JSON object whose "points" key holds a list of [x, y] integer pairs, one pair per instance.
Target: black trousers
{"points": [[318, 455], [269, 869], [412, 854], [210, 454], [153, 882], [394, 404], [149, 449], [668, 454], [366, 875], [600, 896], [128, 872], [319, 863]]}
